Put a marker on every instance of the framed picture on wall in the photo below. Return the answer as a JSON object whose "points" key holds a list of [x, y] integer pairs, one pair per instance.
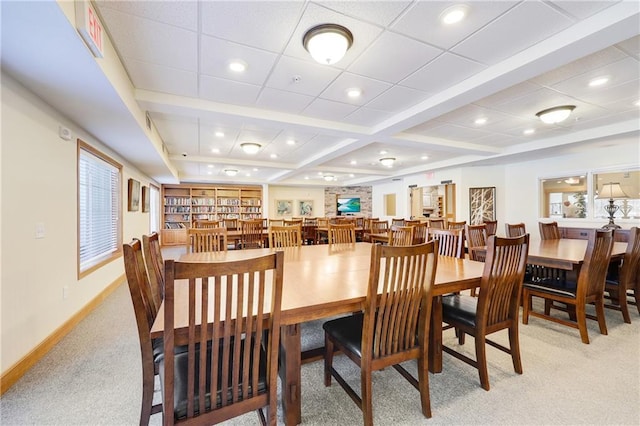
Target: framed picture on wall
{"points": [[482, 204], [133, 196], [284, 207], [306, 208], [146, 202]]}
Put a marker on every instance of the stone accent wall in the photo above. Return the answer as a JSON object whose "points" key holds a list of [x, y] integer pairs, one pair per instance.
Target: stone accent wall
{"points": [[331, 194]]}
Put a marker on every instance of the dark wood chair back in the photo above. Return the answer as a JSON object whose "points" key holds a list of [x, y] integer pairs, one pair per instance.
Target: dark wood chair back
{"points": [[401, 236], [476, 238], [155, 266], [549, 231], [515, 229], [230, 223], [207, 239], [492, 227], [628, 277], [451, 241], [237, 372], [252, 235], [437, 223], [397, 222], [285, 236], [379, 226], [420, 233], [456, 225]]}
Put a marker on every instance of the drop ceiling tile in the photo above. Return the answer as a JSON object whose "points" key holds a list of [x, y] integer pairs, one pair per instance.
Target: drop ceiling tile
{"points": [[313, 77], [163, 79], [631, 46], [445, 71], [216, 54], [422, 21], [583, 9], [209, 141], [385, 61], [227, 91], [499, 140], [508, 95], [262, 24], [396, 99], [618, 73], [528, 106], [176, 131], [491, 45], [455, 133], [376, 12], [337, 90], [281, 100], [328, 110], [183, 14], [367, 116]]}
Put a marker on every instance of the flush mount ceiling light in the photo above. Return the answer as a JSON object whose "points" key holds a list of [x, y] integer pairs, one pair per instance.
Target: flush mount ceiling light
{"points": [[387, 162], [453, 14], [230, 172], [328, 178], [327, 43], [237, 66], [555, 114], [354, 92], [250, 147]]}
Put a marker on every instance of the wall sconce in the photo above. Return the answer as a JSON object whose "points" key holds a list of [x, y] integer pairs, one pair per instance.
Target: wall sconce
{"points": [[327, 43], [612, 191], [556, 114], [250, 147], [387, 162]]}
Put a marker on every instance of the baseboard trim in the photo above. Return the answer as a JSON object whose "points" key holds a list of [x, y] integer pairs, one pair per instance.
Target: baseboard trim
{"points": [[16, 371]]}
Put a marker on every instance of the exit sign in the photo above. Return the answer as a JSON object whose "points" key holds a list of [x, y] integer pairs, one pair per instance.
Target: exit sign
{"points": [[90, 27]]}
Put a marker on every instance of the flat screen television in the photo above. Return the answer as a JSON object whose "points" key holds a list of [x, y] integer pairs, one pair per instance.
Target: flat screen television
{"points": [[348, 205]]}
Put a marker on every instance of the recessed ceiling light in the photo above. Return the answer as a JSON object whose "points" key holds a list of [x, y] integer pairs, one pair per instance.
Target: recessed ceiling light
{"points": [[353, 162], [237, 66], [273, 156], [599, 81], [454, 14], [529, 131], [354, 92], [383, 152], [248, 175], [480, 121], [209, 173], [250, 147], [424, 157], [637, 103], [210, 166], [219, 134], [329, 178], [351, 175], [291, 142], [320, 173], [306, 177], [215, 150], [255, 170]]}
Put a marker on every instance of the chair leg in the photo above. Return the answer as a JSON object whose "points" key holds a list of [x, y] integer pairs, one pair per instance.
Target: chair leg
{"points": [[367, 405], [581, 319], [460, 335], [148, 384], [423, 384], [514, 344], [602, 322], [526, 306], [328, 359], [481, 360], [624, 308]]}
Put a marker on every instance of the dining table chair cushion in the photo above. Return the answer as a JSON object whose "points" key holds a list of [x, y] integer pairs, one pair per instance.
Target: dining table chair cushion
{"points": [[348, 330], [181, 363], [459, 308], [569, 290]]}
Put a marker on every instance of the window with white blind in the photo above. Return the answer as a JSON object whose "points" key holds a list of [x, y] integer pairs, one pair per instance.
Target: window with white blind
{"points": [[99, 209]]}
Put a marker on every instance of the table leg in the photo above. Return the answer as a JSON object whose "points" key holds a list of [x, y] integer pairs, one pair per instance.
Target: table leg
{"points": [[290, 376], [435, 336]]}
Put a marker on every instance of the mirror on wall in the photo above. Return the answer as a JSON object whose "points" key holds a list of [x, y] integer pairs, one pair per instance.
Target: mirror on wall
{"points": [[623, 187], [564, 197]]}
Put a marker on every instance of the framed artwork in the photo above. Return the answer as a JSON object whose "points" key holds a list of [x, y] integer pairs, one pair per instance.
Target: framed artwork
{"points": [[146, 203], [284, 207], [482, 204], [134, 196], [306, 208]]}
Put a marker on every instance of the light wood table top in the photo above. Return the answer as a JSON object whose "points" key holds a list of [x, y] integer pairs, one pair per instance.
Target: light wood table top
{"points": [[564, 253]]}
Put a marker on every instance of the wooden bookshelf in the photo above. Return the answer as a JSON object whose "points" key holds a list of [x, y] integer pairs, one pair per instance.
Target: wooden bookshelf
{"points": [[184, 204]]}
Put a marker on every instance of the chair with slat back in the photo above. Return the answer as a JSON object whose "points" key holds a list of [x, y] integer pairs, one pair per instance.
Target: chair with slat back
{"points": [[145, 312], [342, 233], [285, 236], [251, 233], [207, 239], [377, 227], [292, 222], [456, 225], [492, 227], [515, 229], [276, 222], [411, 222], [322, 237], [496, 308], [230, 223], [451, 241], [207, 224], [394, 327], [617, 288], [589, 288], [401, 236], [155, 266], [397, 222], [420, 233], [437, 223], [476, 238], [237, 372], [549, 231]]}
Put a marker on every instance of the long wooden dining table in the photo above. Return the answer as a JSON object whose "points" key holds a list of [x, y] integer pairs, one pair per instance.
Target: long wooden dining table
{"points": [[322, 281]]}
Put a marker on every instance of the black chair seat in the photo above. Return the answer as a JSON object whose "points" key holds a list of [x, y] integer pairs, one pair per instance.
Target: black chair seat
{"points": [[548, 287], [459, 308], [348, 331]]}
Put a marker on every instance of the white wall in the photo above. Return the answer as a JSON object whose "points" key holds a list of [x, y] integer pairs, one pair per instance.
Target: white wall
{"points": [[39, 186], [295, 194]]}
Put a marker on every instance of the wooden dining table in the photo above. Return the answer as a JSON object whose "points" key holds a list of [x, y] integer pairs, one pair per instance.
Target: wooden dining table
{"points": [[322, 281], [564, 253]]}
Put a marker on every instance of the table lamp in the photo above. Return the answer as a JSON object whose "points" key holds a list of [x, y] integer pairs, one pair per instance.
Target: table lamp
{"points": [[611, 190]]}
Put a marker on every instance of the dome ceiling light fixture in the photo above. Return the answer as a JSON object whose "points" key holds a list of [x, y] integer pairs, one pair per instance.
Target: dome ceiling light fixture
{"points": [[327, 43], [328, 178], [387, 162], [556, 114], [250, 147], [230, 172]]}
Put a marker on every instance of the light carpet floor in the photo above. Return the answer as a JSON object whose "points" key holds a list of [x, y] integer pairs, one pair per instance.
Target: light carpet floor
{"points": [[93, 377]]}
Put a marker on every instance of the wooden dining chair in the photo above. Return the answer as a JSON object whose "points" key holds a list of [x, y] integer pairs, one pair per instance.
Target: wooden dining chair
{"points": [[342, 233], [251, 234], [276, 222], [230, 223], [451, 241], [625, 280], [401, 236], [155, 266], [476, 238], [515, 229], [397, 222], [491, 226], [285, 236], [207, 239], [145, 311], [549, 231], [411, 222], [420, 233], [309, 230], [238, 371], [456, 225], [292, 222], [394, 327], [437, 223], [589, 288], [206, 224], [496, 308]]}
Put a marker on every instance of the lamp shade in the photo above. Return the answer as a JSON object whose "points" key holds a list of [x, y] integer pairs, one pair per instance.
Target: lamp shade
{"points": [[555, 114], [250, 147], [327, 43], [612, 190]]}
